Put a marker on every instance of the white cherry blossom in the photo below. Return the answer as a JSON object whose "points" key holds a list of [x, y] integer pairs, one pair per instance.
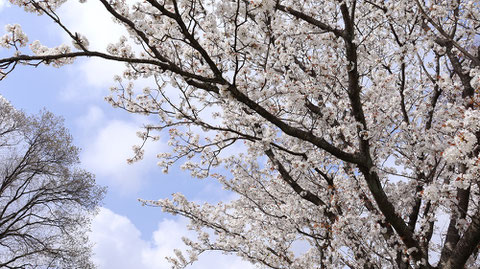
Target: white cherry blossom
{"points": [[358, 123]]}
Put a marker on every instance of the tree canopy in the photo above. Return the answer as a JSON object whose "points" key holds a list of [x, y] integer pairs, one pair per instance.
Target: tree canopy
{"points": [[46, 201], [359, 119]]}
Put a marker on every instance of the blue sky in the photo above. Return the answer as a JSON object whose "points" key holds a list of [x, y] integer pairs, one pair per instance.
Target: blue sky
{"points": [[126, 235]]}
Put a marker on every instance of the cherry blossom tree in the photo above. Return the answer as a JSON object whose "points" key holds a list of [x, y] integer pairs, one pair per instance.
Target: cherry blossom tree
{"points": [[46, 202], [359, 121]]}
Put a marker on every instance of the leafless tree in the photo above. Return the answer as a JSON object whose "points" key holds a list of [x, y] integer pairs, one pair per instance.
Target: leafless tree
{"points": [[46, 201]]}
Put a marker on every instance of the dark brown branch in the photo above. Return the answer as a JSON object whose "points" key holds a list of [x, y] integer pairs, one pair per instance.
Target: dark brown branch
{"points": [[466, 246], [132, 26], [447, 39], [402, 95], [371, 177], [305, 194], [164, 66], [437, 91], [292, 131], [453, 234], [311, 20], [193, 42]]}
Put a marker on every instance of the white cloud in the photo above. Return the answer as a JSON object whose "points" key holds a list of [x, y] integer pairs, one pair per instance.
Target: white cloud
{"points": [[92, 20], [90, 79], [115, 237], [118, 245], [99, 72], [107, 148], [94, 75], [92, 119], [3, 4]]}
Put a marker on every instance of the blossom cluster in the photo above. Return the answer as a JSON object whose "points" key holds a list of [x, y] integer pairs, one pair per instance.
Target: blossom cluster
{"points": [[349, 126]]}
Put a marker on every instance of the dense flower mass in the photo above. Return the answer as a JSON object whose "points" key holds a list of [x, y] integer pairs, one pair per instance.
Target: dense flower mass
{"points": [[349, 127], [14, 36]]}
